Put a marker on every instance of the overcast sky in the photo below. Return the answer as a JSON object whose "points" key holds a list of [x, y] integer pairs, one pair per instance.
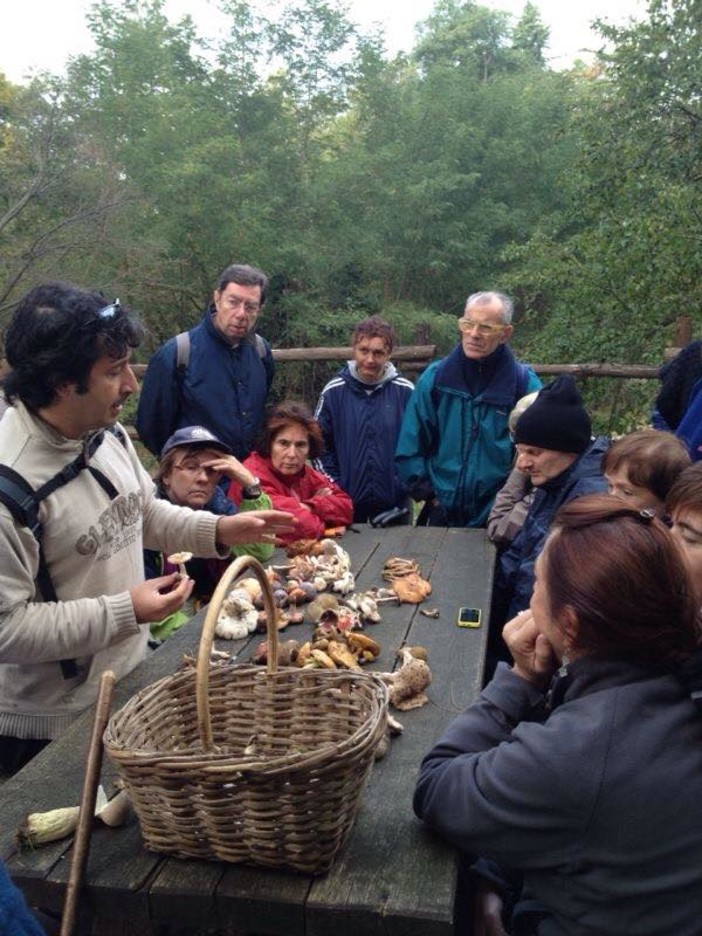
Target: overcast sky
{"points": [[41, 34]]}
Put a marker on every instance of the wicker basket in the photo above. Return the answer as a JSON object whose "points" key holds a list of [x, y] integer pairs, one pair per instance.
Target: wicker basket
{"points": [[245, 764]]}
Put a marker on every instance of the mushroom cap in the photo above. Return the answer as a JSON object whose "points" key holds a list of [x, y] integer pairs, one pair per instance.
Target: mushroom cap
{"points": [[179, 557]]}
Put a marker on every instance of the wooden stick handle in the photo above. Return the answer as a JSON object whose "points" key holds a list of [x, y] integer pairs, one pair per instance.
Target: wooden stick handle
{"points": [[81, 843]]}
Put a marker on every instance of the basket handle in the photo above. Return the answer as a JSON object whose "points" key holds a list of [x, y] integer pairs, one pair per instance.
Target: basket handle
{"points": [[202, 680]]}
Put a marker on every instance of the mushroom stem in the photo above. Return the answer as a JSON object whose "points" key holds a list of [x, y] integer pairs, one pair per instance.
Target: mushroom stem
{"points": [[179, 559]]}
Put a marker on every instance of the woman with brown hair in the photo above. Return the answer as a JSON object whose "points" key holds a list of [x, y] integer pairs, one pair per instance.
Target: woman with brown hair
{"points": [[579, 766], [280, 463]]}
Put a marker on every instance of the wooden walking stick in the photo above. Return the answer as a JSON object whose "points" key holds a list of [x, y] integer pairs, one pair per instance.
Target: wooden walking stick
{"points": [[81, 843]]}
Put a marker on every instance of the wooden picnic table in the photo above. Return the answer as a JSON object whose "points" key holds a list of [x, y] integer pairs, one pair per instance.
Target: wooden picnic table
{"points": [[392, 876]]}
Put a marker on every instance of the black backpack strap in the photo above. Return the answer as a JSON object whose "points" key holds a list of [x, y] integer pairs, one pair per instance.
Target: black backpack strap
{"points": [[71, 470], [23, 501], [20, 499], [104, 482], [182, 359], [182, 354], [119, 433]]}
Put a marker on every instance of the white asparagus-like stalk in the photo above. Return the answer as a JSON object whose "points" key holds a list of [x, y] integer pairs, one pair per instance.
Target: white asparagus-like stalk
{"points": [[41, 827]]}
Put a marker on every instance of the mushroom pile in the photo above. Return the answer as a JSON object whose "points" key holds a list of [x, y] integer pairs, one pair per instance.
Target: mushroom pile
{"points": [[329, 648], [307, 588], [327, 567]]}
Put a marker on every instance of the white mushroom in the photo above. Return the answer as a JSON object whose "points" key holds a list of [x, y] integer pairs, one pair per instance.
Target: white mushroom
{"points": [[179, 559], [238, 617]]}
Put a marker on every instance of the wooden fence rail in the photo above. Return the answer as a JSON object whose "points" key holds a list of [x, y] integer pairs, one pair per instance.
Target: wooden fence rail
{"points": [[412, 357], [416, 357]]}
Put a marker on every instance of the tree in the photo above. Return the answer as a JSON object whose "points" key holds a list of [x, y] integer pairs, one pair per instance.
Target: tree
{"points": [[55, 207], [625, 258], [531, 35]]}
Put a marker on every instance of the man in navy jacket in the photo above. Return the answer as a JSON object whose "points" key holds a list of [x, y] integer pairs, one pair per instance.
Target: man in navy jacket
{"points": [[360, 412], [228, 374]]}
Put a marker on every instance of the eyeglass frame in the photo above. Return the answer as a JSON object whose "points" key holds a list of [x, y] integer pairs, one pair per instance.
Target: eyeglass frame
{"points": [[484, 328], [195, 469], [236, 302], [109, 312]]}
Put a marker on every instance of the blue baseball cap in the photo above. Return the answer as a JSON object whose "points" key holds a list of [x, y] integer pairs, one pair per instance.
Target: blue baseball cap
{"points": [[194, 435]]}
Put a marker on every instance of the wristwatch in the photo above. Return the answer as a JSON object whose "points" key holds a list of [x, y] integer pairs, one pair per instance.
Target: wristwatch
{"points": [[252, 491]]}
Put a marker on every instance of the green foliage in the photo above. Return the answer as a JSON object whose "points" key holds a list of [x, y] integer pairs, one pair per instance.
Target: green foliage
{"points": [[624, 260], [530, 35], [366, 183]]}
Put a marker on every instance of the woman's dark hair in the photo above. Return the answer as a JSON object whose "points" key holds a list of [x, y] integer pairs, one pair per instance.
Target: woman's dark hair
{"points": [[652, 459], [622, 574], [283, 414], [56, 334]]}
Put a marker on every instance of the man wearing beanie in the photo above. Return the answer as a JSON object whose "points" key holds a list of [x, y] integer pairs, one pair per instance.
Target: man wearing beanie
{"points": [[454, 451], [555, 448]]}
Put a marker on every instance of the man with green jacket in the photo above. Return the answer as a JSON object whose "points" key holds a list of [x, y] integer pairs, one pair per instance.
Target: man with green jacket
{"points": [[454, 451]]}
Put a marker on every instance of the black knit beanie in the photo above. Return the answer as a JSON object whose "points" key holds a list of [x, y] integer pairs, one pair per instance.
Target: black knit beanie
{"points": [[556, 419]]}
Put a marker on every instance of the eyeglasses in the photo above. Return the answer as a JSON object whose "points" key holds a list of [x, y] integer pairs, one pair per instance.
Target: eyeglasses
{"points": [[108, 312], [234, 303], [194, 468], [104, 315], [483, 328]]}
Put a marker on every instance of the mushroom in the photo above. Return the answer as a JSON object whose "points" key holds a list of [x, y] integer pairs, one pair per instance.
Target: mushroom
{"points": [[179, 559], [407, 684]]}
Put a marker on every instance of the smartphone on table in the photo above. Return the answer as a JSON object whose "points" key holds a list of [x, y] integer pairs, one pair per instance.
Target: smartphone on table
{"points": [[468, 617]]}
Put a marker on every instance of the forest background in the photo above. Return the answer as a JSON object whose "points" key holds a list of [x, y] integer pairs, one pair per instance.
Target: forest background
{"points": [[367, 183]]}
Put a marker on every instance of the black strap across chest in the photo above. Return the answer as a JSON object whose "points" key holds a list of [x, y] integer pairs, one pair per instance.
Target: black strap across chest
{"points": [[23, 501]]}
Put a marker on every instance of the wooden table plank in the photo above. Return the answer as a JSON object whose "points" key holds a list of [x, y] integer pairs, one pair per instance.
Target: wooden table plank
{"points": [[373, 885], [392, 877]]}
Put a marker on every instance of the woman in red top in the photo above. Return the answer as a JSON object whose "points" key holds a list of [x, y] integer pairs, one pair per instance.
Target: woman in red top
{"points": [[280, 461]]}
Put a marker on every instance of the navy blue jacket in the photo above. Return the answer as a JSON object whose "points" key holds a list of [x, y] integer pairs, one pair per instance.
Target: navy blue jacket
{"points": [[360, 423], [515, 576], [15, 917], [224, 388]]}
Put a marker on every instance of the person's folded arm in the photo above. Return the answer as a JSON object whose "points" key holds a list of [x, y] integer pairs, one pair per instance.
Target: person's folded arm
{"points": [[489, 784]]}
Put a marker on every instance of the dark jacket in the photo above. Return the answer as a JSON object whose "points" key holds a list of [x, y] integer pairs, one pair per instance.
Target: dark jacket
{"points": [[360, 423], [224, 388], [454, 443], [15, 916], [597, 802], [678, 377], [515, 577]]}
